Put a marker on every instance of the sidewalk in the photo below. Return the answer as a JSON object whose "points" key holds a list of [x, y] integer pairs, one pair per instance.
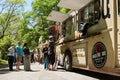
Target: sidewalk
{"points": [[5, 74], [38, 73]]}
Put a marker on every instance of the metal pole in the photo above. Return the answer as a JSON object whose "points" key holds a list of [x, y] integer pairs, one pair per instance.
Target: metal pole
{"points": [[115, 30]]}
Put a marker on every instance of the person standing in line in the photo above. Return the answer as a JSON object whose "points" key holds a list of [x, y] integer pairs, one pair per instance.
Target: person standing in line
{"points": [[11, 55], [38, 55], [19, 55], [32, 52], [45, 53], [26, 57], [51, 53]]}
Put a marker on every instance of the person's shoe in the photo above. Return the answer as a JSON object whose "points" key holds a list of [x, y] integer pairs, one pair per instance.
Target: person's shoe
{"points": [[10, 69], [28, 70], [49, 69], [19, 69], [54, 69]]}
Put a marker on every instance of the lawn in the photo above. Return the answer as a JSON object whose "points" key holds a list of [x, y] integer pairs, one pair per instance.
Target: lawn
{"points": [[3, 62]]}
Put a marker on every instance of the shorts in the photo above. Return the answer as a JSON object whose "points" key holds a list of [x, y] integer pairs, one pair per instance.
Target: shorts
{"points": [[19, 58], [52, 58]]}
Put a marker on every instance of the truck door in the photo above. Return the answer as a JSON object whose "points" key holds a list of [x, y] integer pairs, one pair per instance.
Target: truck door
{"points": [[118, 33]]}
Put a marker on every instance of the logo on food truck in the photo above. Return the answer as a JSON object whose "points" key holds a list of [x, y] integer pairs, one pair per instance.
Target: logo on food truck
{"points": [[99, 55]]}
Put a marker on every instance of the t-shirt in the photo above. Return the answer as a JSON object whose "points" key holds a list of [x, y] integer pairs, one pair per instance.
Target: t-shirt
{"points": [[19, 51], [11, 51], [26, 51], [45, 51]]}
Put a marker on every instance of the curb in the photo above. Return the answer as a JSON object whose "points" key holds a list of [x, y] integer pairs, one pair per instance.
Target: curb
{"points": [[3, 65]]}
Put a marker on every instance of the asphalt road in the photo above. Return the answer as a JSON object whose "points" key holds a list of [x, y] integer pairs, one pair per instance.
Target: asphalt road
{"points": [[38, 73]]}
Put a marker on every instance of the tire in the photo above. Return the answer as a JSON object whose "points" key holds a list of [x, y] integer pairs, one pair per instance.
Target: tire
{"points": [[68, 63]]}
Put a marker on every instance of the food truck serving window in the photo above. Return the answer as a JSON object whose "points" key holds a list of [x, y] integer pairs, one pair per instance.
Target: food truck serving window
{"points": [[88, 16], [91, 13], [67, 29]]}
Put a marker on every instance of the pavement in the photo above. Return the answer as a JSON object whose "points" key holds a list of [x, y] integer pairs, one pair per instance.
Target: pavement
{"points": [[5, 74], [38, 73]]}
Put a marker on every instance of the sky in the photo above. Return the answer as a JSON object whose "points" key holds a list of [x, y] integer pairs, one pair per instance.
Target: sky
{"points": [[28, 6]]}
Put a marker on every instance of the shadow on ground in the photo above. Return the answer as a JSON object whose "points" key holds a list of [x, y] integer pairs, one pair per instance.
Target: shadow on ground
{"points": [[96, 75], [33, 71], [4, 71]]}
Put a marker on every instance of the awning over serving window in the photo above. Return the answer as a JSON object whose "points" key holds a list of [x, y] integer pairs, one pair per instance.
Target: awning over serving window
{"points": [[57, 16], [73, 4]]}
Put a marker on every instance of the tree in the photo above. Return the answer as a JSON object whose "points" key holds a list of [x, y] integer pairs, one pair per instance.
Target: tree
{"points": [[40, 11], [9, 14], [25, 26]]}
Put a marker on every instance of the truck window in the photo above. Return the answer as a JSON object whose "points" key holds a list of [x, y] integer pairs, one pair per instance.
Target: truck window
{"points": [[91, 13], [67, 29], [119, 7], [89, 16]]}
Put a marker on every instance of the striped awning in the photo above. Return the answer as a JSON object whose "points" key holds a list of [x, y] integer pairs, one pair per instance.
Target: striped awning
{"points": [[73, 4]]}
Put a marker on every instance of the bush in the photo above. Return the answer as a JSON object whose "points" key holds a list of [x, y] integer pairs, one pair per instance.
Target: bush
{"points": [[3, 62], [4, 45]]}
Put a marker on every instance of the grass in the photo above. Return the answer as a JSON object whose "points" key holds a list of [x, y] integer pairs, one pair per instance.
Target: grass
{"points": [[2, 62]]}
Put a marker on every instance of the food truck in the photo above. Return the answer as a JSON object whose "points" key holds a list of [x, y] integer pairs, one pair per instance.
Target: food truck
{"points": [[90, 35]]}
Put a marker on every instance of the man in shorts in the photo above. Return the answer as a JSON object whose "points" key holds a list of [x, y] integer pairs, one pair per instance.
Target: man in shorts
{"points": [[19, 52]]}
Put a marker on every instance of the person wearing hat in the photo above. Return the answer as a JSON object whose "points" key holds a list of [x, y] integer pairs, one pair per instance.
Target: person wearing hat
{"points": [[11, 55]]}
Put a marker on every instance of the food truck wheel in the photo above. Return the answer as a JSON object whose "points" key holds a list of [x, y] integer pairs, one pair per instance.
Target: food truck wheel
{"points": [[67, 63]]}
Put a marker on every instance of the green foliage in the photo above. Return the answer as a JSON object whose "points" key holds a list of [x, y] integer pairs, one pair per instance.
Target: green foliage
{"points": [[64, 10], [26, 32], [31, 38], [4, 45], [3, 62], [16, 1], [9, 14], [16, 25], [41, 9]]}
